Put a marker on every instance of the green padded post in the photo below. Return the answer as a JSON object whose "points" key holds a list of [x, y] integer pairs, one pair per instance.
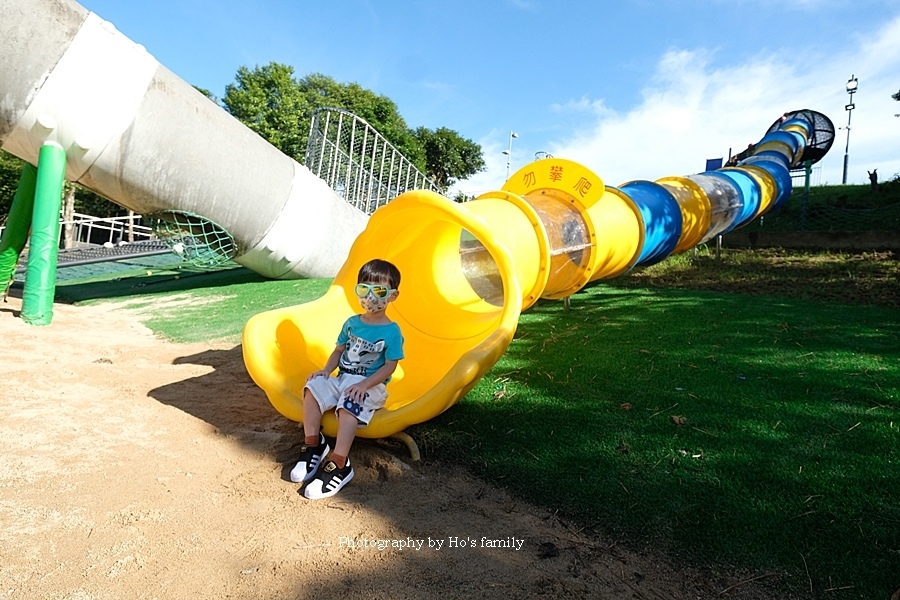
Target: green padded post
{"points": [[17, 224], [40, 274]]}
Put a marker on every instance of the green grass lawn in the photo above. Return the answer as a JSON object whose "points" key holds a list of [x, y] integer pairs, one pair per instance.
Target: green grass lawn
{"points": [[191, 305], [753, 431], [722, 428]]}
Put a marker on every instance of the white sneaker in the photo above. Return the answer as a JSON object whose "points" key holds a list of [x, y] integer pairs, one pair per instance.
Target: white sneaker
{"points": [[328, 481], [310, 457]]}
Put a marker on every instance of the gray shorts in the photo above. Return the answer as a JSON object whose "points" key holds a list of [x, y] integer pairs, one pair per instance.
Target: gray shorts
{"points": [[329, 394]]}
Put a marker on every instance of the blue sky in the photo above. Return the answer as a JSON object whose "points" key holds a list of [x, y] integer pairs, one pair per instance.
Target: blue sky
{"points": [[633, 89]]}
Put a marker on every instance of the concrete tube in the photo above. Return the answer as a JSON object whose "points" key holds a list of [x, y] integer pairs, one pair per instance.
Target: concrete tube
{"points": [[137, 134]]}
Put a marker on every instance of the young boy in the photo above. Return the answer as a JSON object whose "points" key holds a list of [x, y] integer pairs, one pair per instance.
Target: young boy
{"points": [[366, 355]]}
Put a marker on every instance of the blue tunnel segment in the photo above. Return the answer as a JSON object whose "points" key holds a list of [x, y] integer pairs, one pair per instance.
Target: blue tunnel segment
{"points": [[662, 219], [779, 172], [752, 184]]}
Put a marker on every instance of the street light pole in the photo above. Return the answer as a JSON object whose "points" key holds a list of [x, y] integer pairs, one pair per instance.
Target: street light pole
{"points": [[508, 151], [852, 84]]}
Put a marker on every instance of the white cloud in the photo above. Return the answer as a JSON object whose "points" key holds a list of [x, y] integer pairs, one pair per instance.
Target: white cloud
{"points": [[692, 110], [582, 105]]}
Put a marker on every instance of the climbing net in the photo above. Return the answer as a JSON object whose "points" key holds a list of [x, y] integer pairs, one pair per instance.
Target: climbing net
{"points": [[817, 217], [197, 239]]}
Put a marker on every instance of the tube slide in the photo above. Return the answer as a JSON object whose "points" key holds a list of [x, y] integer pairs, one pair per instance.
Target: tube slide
{"points": [[135, 133], [468, 270]]}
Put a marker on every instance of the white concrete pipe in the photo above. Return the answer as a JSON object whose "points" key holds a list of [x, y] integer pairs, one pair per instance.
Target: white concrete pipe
{"points": [[137, 134]]}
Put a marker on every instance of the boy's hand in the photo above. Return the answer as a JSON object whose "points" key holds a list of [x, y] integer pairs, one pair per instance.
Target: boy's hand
{"points": [[356, 392], [319, 373]]}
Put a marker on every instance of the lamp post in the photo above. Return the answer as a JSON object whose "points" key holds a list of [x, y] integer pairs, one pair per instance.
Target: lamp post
{"points": [[508, 151], [852, 84]]}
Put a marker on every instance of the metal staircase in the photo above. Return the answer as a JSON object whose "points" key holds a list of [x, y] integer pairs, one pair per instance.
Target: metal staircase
{"points": [[357, 162]]}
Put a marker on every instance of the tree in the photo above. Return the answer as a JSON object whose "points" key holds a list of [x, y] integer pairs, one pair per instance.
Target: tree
{"points": [[279, 107], [269, 101], [896, 96], [10, 171], [207, 93], [448, 156]]}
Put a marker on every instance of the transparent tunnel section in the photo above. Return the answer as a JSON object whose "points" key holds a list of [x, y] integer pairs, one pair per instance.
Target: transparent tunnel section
{"points": [[749, 191], [569, 239], [480, 269], [725, 204]]}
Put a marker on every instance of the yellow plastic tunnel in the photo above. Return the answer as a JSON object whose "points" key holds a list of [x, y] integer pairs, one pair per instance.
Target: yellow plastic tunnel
{"points": [[468, 270], [452, 310]]}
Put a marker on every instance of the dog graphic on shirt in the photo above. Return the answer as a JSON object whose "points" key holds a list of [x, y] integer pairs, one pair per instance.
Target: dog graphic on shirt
{"points": [[360, 355]]}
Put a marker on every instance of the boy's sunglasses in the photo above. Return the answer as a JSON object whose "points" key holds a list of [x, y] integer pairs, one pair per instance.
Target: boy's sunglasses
{"points": [[379, 291]]}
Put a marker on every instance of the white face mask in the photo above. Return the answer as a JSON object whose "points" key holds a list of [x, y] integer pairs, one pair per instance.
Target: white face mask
{"points": [[372, 304]]}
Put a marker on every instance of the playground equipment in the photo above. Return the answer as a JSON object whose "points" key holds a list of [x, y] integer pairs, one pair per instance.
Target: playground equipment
{"points": [[470, 269], [117, 122], [88, 105]]}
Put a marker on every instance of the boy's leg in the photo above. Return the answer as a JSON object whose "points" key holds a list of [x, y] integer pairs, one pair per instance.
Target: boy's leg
{"points": [[314, 446], [346, 433], [312, 415], [336, 472]]}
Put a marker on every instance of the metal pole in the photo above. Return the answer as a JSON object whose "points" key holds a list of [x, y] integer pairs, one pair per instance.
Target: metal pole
{"points": [[508, 152], [847, 146], [40, 274], [807, 168], [852, 84]]}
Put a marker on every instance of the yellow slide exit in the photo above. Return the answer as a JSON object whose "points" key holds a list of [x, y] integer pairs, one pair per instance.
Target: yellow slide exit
{"points": [[468, 270]]}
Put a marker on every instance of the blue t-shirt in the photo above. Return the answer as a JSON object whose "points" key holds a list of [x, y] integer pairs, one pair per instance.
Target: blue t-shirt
{"points": [[367, 347]]}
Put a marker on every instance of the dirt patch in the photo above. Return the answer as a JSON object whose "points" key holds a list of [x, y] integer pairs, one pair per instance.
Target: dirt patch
{"points": [[137, 468]]}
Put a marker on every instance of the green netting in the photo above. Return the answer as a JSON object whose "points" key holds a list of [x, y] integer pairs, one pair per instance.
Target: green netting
{"points": [[817, 217], [196, 239]]}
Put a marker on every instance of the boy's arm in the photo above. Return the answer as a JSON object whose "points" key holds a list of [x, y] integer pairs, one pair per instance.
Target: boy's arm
{"points": [[386, 370], [332, 362], [357, 391], [330, 365]]}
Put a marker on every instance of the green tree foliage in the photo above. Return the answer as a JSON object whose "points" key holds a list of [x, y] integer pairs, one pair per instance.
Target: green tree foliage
{"points": [[279, 107], [89, 203], [448, 156], [896, 96], [207, 93], [269, 101], [10, 171]]}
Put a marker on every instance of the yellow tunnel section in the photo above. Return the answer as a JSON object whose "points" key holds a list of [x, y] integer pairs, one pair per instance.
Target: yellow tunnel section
{"points": [[468, 270], [458, 306]]}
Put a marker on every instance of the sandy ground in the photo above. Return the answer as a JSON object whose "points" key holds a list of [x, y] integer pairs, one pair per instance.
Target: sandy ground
{"points": [[135, 468]]}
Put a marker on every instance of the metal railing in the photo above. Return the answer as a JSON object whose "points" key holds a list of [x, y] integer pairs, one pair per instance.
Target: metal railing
{"points": [[358, 162], [105, 230], [89, 230]]}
